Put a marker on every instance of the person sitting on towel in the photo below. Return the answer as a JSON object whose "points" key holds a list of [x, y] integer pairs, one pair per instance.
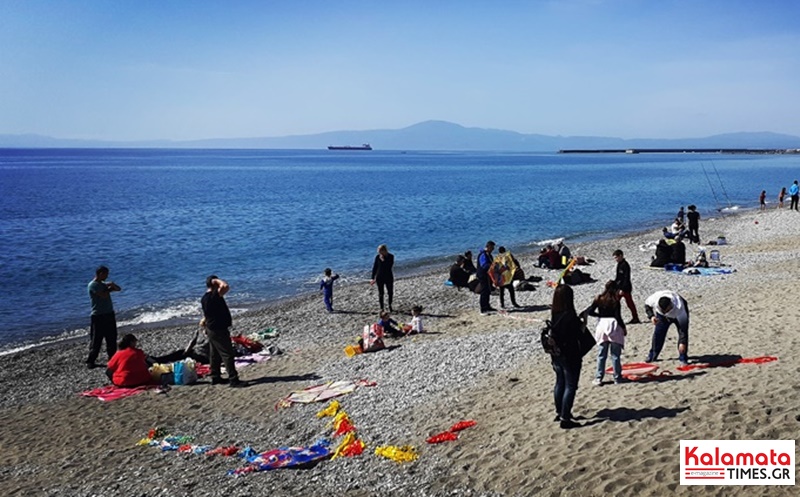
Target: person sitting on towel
{"points": [[130, 367]]}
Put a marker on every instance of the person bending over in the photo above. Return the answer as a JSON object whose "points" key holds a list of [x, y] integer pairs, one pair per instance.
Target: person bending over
{"points": [[663, 309]]}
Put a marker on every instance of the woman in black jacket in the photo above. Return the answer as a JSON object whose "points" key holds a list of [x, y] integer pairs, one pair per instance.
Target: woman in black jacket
{"points": [[567, 328], [382, 274]]}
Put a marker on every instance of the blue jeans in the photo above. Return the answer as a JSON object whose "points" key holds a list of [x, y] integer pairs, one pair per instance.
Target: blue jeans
{"points": [[568, 371], [616, 361], [328, 299], [660, 335]]}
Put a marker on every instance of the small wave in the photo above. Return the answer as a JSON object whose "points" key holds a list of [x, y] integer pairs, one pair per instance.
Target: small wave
{"points": [[553, 241], [150, 316], [729, 209]]}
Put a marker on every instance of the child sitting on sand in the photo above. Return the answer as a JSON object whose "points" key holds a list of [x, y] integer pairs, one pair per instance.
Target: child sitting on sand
{"points": [[326, 287], [416, 320], [389, 325]]}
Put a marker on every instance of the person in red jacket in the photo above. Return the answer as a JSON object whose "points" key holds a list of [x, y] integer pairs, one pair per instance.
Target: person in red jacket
{"points": [[130, 366]]}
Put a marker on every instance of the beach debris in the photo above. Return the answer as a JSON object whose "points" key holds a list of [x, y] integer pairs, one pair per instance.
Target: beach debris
{"points": [[401, 454], [452, 433], [331, 410], [349, 446], [445, 436], [323, 392], [463, 425], [286, 457], [265, 334], [636, 371]]}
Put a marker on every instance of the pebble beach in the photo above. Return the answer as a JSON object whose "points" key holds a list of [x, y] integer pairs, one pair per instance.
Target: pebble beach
{"points": [[489, 369]]}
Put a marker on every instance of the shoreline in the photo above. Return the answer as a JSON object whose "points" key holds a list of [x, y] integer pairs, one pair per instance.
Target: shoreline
{"points": [[422, 267], [490, 369]]}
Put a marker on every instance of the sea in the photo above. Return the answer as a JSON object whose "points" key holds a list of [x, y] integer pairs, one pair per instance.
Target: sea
{"points": [[270, 221]]}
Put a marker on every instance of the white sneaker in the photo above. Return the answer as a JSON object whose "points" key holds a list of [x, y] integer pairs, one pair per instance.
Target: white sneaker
{"points": [[597, 382]]}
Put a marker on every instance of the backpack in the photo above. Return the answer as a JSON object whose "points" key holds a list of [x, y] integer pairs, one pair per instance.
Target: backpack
{"points": [[549, 343]]}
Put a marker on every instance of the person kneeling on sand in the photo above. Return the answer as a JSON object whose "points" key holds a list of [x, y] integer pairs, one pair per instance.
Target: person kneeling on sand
{"points": [[610, 332], [416, 321], [663, 309], [130, 367], [459, 276]]}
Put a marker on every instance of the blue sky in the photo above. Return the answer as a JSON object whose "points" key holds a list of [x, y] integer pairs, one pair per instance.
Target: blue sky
{"points": [[129, 70]]}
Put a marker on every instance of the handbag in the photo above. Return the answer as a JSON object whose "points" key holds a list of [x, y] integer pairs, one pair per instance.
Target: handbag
{"points": [[586, 341]]}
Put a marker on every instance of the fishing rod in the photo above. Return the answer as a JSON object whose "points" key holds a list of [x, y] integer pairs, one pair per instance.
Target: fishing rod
{"points": [[716, 202], [721, 185]]}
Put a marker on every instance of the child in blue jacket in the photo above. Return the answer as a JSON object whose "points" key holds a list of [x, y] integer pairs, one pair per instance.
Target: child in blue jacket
{"points": [[326, 287]]}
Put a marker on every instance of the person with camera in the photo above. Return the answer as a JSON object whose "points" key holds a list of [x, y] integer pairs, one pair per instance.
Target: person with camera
{"points": [[104, 321]]}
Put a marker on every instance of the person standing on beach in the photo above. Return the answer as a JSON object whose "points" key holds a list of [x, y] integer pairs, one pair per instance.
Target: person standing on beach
{"points": [[484, 263], [781, 196], [622, 281], [217, 320], [694, 224], [793, 192], [104, 321], [663, 309], [762, 200], [326, 287], [566, 328], [383, 275], [609, 333], [681, 214], [506, 258]]}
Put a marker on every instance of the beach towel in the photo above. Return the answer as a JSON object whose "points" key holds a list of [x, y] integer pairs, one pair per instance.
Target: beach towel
{"points": [[708, 271], [113, 392], [321, 393]]}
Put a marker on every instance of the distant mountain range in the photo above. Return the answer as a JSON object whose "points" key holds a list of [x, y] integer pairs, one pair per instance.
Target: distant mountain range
{"points": [[428, 135]]}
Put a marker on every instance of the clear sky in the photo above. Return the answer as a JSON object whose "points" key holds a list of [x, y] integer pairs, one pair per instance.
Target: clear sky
{"points": [[129, 70]]}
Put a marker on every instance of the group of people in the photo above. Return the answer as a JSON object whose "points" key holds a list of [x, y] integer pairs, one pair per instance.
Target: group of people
{"points": [[663, 309], [127, 364]]}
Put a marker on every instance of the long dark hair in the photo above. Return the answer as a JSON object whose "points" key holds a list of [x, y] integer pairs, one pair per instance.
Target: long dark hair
{"points": [[609, 296], [563, 300]]}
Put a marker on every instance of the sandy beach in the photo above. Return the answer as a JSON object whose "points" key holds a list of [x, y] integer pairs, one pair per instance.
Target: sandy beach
{"points": [[490, 369]]}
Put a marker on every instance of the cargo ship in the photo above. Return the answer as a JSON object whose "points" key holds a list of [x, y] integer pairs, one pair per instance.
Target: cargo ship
{"points": [[365, 146]]}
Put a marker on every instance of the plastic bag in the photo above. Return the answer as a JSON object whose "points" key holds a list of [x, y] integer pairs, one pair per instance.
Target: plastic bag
{"points": [[185, 372]]}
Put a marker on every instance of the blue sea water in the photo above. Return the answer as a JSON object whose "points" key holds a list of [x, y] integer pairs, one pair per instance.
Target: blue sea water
{"points": [[269, 221]]}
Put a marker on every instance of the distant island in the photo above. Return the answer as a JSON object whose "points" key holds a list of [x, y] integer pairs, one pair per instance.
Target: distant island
{"points": [[433, 136], [755, 151]]}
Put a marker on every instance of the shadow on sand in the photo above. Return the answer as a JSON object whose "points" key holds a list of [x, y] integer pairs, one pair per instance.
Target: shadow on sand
{"points": [[630, 414]]}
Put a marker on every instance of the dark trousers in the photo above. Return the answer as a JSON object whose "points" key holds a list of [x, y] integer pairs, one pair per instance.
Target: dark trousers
{"points": [[221, 351], [486, 292], [327, 297], [568, 371], [388, 286], [511, 294], [104, 327], [694, 234], [660, 335], [793, 204], [176, 356]]}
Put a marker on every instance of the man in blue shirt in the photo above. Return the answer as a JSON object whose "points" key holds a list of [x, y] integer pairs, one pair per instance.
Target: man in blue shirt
{"points": [[793, 191], [104, 322], [484, 262]]}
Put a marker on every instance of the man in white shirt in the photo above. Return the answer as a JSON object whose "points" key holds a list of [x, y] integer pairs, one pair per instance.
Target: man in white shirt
{"points": [[663, 309]]}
